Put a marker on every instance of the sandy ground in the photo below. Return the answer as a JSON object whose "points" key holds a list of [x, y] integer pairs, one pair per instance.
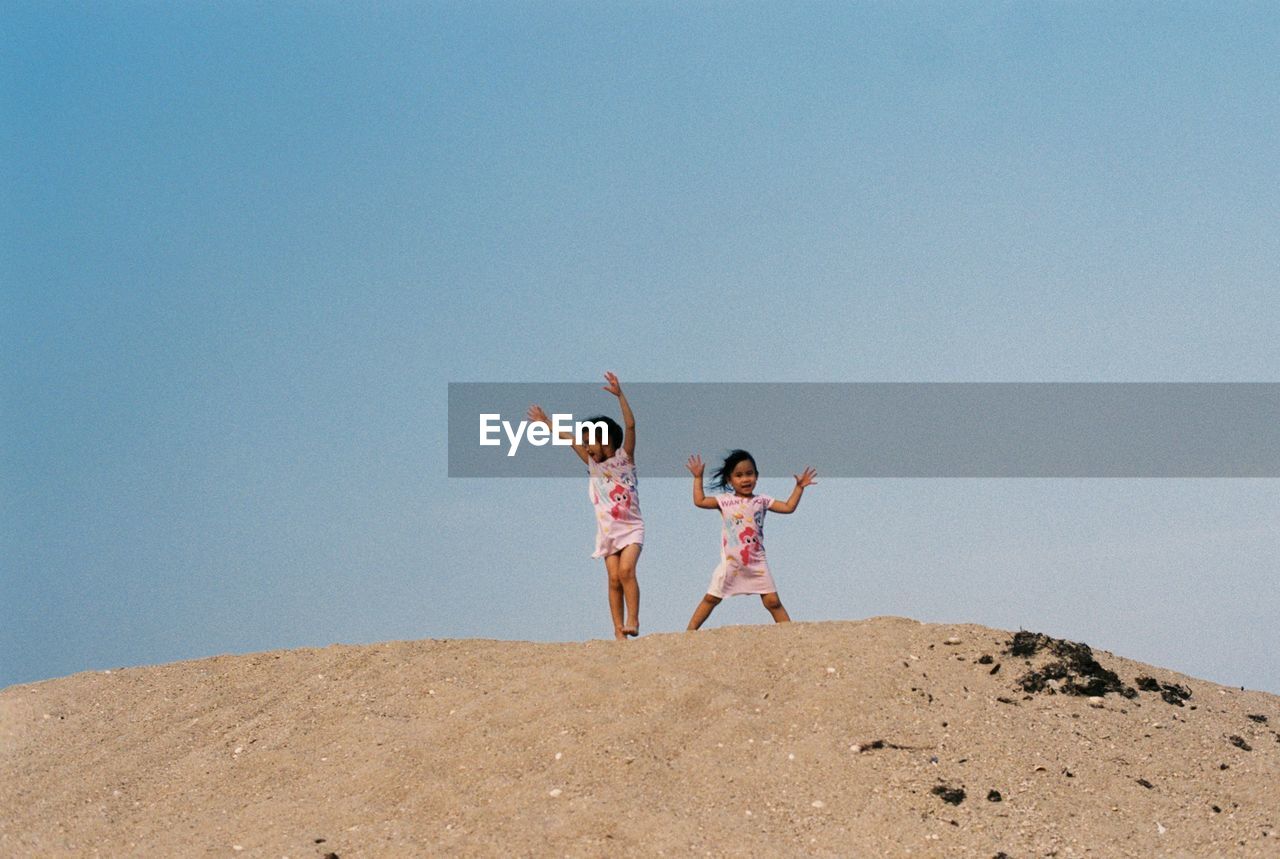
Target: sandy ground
{"points": [[821, 739]]}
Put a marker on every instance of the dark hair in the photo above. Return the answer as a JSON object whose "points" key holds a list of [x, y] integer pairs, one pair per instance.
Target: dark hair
{"points": [[615, 436], [720, 477]]}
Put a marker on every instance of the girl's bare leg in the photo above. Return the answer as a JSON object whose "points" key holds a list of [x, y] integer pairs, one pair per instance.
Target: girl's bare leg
{"points": [[703, 611], [630, 588], [611, 565], [775, 607]]}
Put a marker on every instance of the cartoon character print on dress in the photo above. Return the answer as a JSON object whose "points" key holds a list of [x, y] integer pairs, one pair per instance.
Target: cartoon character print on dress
{"points": [[733, 529], [621, 499], [615, 497], [747, 539], [743, 568]]}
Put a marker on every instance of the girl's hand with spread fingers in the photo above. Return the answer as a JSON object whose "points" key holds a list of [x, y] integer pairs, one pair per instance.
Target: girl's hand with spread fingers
{"points": [[614, 387], [695, 466]]}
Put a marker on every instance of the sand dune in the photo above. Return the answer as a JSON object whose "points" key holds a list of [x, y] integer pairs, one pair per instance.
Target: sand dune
{"points": [[878, 737]]}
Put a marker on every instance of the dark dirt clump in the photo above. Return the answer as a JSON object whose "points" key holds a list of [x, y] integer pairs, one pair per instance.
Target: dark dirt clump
{"points": [[951, 795], [1172, 693], [1074, 671], [1027, 643]]}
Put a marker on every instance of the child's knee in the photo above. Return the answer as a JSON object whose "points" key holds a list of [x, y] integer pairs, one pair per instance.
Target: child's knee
{"points": [[615, 578], [771, 601], [627, 572]]}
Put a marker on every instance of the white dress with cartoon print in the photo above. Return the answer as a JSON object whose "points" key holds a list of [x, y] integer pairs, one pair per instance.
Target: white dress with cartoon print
{"points": [[743, 568], [615, 497]]}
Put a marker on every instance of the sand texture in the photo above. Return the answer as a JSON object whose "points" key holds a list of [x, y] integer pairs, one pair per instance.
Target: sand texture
{"points": [[827, 739]]}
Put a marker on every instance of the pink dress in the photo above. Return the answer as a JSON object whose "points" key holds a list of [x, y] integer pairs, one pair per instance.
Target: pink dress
{"points": [[743, 568], [615, 496]]}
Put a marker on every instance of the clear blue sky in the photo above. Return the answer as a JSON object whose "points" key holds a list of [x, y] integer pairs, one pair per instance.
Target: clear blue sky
{"points": [[246, 247]]}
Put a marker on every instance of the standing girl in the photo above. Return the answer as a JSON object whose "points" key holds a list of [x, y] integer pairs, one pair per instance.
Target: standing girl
{"points": [[743, 568], [614, 494]]}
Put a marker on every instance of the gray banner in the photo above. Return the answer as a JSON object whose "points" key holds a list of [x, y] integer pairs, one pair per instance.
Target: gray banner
{"points": [[982, 429]]}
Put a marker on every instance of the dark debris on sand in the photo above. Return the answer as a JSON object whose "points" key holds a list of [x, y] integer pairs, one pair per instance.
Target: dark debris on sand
{"points": [[883, 744], [950, 795], [1172, 693], [988, 659], [1074, 671]]}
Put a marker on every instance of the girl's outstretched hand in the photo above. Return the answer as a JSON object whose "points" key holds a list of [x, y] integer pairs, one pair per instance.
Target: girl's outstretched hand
{"points": [[695, 465], [806, 478], [537, 415], [613, 387]]}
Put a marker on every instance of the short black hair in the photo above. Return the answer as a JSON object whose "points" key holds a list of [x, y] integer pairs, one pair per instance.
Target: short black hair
{"points": [[720, 477], [614, 435]]}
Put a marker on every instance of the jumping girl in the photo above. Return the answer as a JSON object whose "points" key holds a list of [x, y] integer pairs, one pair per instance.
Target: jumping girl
{"points": [[613, 488]]}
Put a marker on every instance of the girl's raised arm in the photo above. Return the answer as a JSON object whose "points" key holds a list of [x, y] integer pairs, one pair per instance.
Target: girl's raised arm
{"points": [[538, 416], [628, 419], [700, 498], [806, 478]]}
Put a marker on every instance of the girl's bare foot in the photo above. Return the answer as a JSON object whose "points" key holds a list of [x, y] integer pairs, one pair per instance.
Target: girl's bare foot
{"points": [[619, 634], [632, 630]]}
